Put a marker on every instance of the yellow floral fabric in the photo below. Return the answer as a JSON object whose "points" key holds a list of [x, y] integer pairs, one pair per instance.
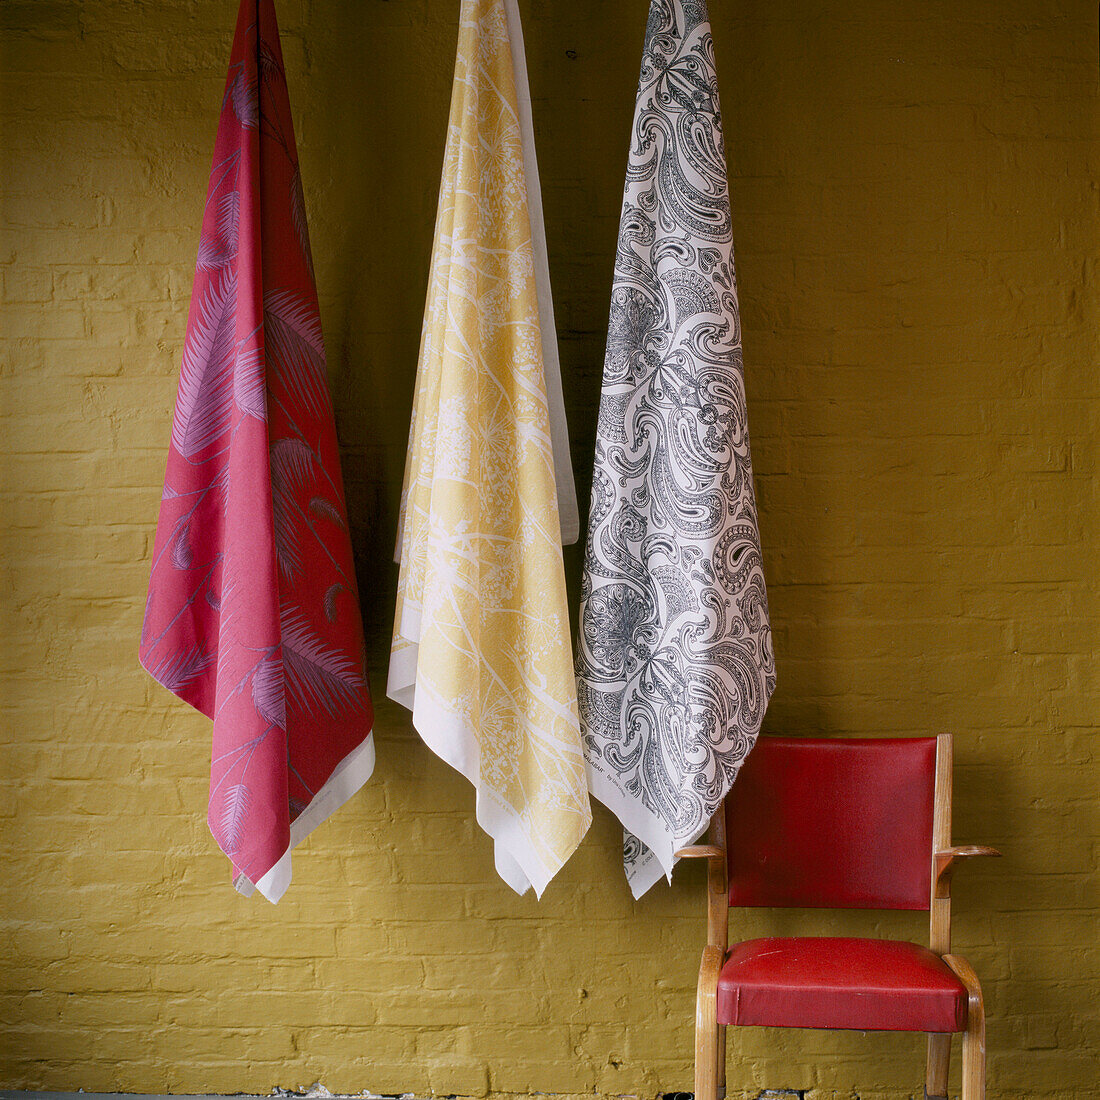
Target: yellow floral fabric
{"points": [[481, 650]]}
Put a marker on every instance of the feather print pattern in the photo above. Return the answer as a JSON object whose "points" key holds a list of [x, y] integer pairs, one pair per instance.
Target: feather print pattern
{"points": [[229, 220], [316, 676], [182, 555], [268, 691], [253, 618], [249, 383], [211, 254], [319, 506], [331, 609], [291, 468], [206, 377], [243, 96], [238, 800], [298, 216], [293, 331], [291, 463], [177, 671]]}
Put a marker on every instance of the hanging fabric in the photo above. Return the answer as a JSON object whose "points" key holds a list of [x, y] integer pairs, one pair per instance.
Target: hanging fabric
{"points": [[674, 662], [481, 650], [568, 511], [253, 613]]}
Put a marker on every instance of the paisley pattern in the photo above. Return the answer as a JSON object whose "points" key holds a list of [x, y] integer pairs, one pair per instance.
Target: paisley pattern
{"points": [[253, 613], [674, 656], [481, 651]]}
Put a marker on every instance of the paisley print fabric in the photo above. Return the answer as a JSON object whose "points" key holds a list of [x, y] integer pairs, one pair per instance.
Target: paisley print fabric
{"points": [[253, 612], [481, 651], [674, 657]]}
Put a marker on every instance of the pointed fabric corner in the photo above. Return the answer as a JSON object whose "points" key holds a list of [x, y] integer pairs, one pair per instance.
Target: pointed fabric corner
{"points": [[481, 650], [253, 611], [674, 655]]}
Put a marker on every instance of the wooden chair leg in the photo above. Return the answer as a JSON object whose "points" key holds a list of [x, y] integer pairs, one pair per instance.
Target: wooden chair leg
{"points": [[706, 1025], [973, 1044], [939, 1063], [721, 1062]]}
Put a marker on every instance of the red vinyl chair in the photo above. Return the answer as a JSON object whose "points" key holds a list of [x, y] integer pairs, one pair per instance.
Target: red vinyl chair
{"points": [[838, 824]]}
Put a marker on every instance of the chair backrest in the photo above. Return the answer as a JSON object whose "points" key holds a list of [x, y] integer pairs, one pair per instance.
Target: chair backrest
{"points": [[838, 823]]}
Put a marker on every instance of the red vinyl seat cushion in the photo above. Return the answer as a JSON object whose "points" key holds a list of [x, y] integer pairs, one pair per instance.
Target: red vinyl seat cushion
{"points": [[827, 982]]}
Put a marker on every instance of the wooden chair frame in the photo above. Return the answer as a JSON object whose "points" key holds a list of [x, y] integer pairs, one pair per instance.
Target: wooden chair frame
{"points": [[710, 1036]]}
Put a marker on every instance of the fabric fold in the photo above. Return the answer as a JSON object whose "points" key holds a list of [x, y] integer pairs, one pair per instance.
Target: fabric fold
{"points": [[253, 610], [568, 511], [481, 649], [674, 654]]}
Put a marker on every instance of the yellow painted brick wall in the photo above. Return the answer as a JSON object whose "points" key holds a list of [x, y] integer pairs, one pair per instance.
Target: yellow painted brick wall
{"points": [[915, 196]]}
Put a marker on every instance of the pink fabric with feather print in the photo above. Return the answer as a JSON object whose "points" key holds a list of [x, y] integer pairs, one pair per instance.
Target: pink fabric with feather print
{"points": [[253, 612]]}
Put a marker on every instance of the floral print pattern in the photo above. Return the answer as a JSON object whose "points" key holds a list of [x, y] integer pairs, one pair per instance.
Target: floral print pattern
{"points": [[481, 651]]}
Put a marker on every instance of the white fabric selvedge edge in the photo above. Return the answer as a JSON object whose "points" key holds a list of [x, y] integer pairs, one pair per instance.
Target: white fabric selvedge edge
{"points": [[347, 778], [568, 512], [517, 862]]}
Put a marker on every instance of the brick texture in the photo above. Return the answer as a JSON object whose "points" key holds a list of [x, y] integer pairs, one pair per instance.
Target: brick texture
{"points": [[916, 217]]}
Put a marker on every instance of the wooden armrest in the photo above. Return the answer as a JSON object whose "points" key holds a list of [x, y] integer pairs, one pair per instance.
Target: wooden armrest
{"points": [[947, 861], [710, 966], [717, 891], [701, 851]]}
